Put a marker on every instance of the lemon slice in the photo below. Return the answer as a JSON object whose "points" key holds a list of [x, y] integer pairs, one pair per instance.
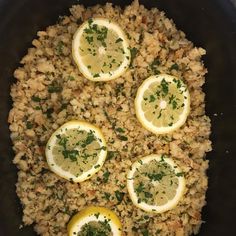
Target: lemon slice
{"points": [[101, 50], [96, 221], [76, 151], [162, 103], [155, 183]]}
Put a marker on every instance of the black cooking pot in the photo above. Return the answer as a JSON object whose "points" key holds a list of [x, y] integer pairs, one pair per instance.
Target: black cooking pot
{"points": [[208, 23]]}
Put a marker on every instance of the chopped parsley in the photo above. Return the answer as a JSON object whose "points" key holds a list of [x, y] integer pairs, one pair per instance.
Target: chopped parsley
{"points": [[54, 88], [174, 67], [119, 40], [49, 112], [164, 86], [100, 32], [64, 106], [107, 196], [174, 104], [29, 125], [148, 195], [111, 154], [152, 98], [133, 53], [89, 139], [120, 130], [156, 176], [96, 75], [159, 115], [178, 82], [59, 47], [140, 188], [102, 148], [180, 174], [153, 66], [122, 137], [71, 154], [106, 176], [113, 124], [79, 21], [119, 196], [71, 78], [89, 39], [119, 90], [37, 108], [62, 141], [96, 228], [145, 232], [35, 99]]}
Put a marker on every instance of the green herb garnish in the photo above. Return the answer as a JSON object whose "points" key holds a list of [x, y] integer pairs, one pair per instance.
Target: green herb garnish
{"points": [[89, 139], [71, 154], [174, 67], [180, 174], [164, 86], [107, 196], [145, 232], [119, 40], [59, 47], [54, 88], [133, 53], [120, 130], [35, 99], [49, 112], [153, 66], [106, 176], [111, 154], [140, 188], [119, 196], [122, 138], [29, 125], [71, 78]]}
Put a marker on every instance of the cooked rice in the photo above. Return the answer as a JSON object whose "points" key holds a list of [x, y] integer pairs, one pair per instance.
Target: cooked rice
{"points": [[50, 90]]}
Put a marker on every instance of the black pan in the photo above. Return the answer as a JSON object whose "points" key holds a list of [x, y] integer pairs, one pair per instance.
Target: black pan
{"points": [[208, 23]]}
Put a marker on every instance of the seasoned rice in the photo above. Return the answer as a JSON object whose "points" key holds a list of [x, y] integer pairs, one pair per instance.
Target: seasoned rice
{"points": [[50, 90]]}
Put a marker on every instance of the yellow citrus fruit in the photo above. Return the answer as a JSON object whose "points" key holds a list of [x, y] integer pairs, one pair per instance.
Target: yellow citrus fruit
{"points": [[101, 50], [76, 151], [162, 103], [155, 183], [97, 221]]}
